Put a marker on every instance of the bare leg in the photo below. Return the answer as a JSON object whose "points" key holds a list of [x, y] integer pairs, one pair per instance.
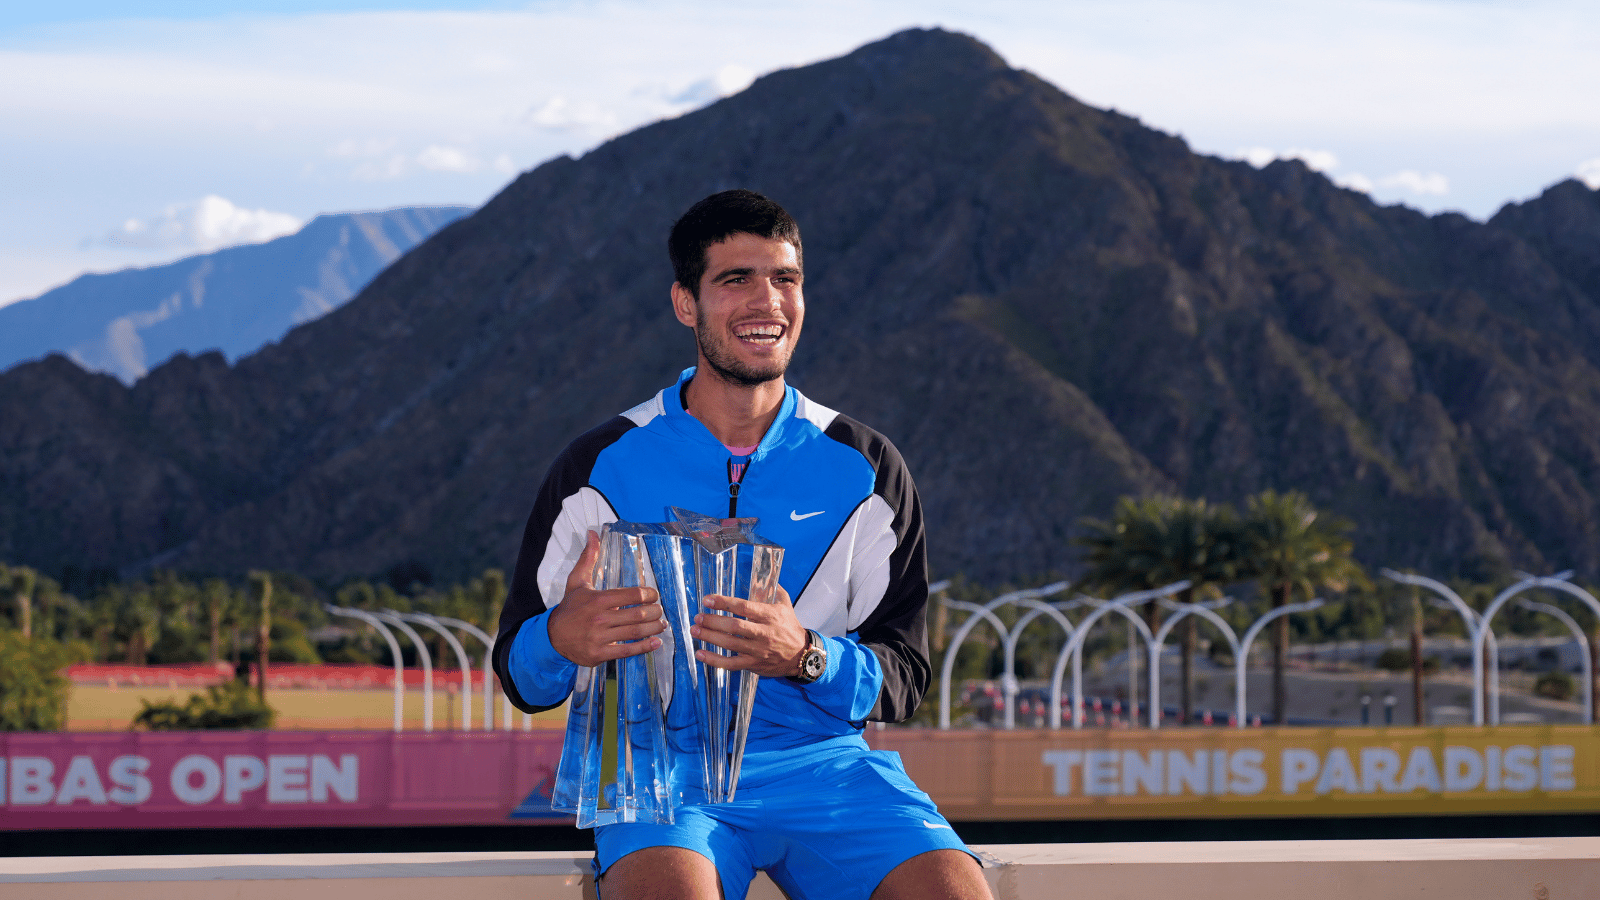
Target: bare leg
{"points": [[661, 873], [935, 875]]}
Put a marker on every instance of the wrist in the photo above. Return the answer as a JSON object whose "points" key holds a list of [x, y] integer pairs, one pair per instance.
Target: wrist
{"points": [[813, 660]]}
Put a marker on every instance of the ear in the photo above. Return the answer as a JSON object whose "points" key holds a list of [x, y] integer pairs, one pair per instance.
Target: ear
{"points": [[683, 304]]}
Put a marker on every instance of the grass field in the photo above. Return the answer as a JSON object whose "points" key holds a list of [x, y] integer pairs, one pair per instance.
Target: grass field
{"points": [[95, 707]]}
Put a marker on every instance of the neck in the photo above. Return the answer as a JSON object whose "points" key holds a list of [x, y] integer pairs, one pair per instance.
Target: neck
{"points": [[736, 415]]}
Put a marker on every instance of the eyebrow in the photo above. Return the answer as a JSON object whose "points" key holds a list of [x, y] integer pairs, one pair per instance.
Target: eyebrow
{"points": [[750, 270]]}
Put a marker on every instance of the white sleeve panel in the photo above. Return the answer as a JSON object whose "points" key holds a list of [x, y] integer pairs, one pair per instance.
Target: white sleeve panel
{"points": [[850, 582], [581, 513]]}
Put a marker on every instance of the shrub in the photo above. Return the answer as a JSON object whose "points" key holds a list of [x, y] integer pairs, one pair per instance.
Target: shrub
{"points": [[1394, 659], [1398, 659], [33, 692], [232, 704], [1555, 685]]}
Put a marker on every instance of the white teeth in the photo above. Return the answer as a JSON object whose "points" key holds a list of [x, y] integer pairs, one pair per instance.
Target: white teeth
{"points": [[759, 332]]}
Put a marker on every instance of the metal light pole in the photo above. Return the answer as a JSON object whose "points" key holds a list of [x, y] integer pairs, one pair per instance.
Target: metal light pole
{"points": [[1475, 631], [979, 613], [1243, 652], [488, 673], [1036, 608], [1203, 610], [1555, 582], [1074, 651], [427, 666], [394, 651], [1583, 650], [461, 660]]}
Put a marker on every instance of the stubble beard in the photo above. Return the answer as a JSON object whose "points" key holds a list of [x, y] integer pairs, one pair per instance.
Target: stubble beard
{"points": [[726, 366]]}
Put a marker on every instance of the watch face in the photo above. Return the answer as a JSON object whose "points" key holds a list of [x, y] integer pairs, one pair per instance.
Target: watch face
{"points": [[814, 664]]}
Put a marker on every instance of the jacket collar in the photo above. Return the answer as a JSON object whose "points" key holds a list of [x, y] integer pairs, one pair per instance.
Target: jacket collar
{"points": [[693, 429]]}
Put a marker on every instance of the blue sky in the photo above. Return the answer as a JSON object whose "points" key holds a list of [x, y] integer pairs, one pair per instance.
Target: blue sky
{"points": [[134, 133]]}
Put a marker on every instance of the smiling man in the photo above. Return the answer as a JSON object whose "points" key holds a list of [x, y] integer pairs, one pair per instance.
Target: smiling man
{"points": [[819, 811]]}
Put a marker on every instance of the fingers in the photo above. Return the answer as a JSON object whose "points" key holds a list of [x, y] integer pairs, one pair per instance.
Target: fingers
{"points": [[764, 638], [582, 575], [590, 626]]}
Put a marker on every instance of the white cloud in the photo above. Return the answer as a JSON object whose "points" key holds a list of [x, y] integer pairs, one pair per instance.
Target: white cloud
{"points": [[378, 160], [208, 224], [1589, 173], [350, 148], [435, 158], [560, 113], [1355, 181], [246, 104], [1416, 182], [1315, 160], [729, 80]]}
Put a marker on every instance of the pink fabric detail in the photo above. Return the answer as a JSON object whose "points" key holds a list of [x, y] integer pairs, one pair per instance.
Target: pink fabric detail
{"points": [[742, 451]]}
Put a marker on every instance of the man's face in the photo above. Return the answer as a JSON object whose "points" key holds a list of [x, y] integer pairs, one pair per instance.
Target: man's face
{"points": [[750, 309]]}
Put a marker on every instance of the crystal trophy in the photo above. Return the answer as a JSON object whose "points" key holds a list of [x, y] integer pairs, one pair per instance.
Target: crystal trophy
{"points": [[677, 725]]}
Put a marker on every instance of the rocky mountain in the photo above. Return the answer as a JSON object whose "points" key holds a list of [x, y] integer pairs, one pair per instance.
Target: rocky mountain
{"points": [[234, 300], [1044, 304]]}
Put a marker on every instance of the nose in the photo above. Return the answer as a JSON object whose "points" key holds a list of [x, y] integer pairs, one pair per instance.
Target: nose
{"points": [[771, 298]]}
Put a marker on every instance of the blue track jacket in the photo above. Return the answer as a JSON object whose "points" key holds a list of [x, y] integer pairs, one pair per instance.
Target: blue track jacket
{"points": [[833, 492]]}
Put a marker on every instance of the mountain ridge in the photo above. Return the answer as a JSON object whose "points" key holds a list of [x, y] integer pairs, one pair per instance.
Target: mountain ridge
{"points": [[1044, 305], [235, 299]]}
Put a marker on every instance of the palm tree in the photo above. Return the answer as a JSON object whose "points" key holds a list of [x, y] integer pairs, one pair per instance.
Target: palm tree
{"points": [[139, 617], [263, 581], [1291, 545], [221, 606], [22, 581], [1155, 541]]}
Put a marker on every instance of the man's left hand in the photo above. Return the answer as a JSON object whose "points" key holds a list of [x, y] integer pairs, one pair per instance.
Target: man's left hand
{"points": [[766, 638]]}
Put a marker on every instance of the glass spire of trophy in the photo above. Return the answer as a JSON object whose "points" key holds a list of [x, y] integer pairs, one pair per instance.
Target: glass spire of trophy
{"points": [[679, 725]]}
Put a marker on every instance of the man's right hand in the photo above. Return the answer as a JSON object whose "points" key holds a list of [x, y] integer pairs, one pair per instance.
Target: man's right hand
{"points": [[589, 626]]}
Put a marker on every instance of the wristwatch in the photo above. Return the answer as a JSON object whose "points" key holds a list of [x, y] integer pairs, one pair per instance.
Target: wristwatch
{"points": [[813, 659]]}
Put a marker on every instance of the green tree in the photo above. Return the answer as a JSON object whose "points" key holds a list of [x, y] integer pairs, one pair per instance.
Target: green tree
{"points": [[1291, 546], [1155, 541], [33, 690]]}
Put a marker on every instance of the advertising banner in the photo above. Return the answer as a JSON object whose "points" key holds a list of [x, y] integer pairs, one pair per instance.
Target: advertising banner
{"points": [[1216, 772], [264, 779]]}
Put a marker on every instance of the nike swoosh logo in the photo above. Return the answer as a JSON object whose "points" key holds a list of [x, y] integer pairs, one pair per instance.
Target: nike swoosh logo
{"points": [[928, 824], [794, 514]]}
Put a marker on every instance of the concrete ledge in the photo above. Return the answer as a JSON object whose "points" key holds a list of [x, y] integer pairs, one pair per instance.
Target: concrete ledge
{"points": [[1503, 869]]}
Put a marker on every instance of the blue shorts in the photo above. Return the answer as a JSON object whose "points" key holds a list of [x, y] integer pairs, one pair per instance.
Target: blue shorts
{"points": [[825, 821]]}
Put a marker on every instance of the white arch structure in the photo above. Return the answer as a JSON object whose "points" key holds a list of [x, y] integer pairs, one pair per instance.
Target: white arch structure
{"points": [[1583, 649], [488, 674], [1477, 624], [1073, 650], [1205, 611], [1475, 632], [427, 665], [1556, 582], [394, 651], [1243, 651], [461, 660], [1036, 608]]}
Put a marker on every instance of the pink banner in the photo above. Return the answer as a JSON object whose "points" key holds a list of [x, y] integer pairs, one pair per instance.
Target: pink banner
{"points": [[264, 779], [279, 675]]}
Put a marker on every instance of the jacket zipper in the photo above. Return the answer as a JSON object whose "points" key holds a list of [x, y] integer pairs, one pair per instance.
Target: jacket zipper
{"points": [[733, 486]]}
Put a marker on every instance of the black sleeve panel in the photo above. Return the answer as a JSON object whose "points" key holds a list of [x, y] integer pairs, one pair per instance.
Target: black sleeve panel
{"points": [[568, 475], [897, 630]]}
